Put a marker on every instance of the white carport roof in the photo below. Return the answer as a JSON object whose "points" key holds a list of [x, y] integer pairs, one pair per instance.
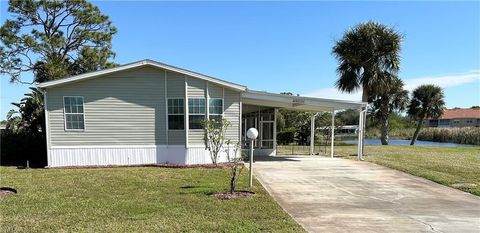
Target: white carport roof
{"points": [[310, 104], [299, 103]]}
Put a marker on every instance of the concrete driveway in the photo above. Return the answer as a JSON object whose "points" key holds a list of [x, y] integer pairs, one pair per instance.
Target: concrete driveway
{"points": [[340, 195]]}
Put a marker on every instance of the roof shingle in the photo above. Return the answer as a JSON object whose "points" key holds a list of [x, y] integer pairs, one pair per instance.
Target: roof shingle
{"points": [[461, 113]]}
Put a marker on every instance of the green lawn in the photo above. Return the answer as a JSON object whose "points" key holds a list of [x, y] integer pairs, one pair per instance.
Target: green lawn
{"points": [[134, 199], [457, 167]]}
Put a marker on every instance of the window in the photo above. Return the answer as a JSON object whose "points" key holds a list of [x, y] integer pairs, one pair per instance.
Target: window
{"points": [[73, 113], [215, 109], [444, 122], [469, 121], [196, 113], [433, 123], [176, 119], [456, 121]]}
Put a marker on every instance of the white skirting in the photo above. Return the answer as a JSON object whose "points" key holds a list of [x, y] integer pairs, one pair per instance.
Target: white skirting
{"points": [[60, 156], [199, 155]]}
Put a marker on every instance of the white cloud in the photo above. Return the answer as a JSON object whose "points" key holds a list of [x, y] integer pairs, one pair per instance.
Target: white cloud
{"points": [[445, 81]]}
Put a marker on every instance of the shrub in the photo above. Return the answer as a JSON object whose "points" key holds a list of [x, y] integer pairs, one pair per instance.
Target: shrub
{"points": [[18, 147], [286, 137]]}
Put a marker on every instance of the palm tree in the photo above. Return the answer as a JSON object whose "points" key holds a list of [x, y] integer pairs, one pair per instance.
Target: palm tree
{"points": [[369, 59], [393, 98], [365, 54], [427, 102], [32, 112]]}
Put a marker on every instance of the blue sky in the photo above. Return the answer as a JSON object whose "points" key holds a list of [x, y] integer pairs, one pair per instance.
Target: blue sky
{"points": [[286, 46]]}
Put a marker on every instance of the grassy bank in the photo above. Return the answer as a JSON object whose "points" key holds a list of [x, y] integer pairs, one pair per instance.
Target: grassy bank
{"points": [[134, 200], [457, 167]]}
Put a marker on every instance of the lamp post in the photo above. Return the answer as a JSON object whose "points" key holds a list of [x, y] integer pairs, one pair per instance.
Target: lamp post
{"points": [[252, 134]]}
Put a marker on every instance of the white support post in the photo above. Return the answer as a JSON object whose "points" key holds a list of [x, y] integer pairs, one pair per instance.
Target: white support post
{"points": [[275, 131], [361, 130], [364, 120], [333, 133], [312, 133]]}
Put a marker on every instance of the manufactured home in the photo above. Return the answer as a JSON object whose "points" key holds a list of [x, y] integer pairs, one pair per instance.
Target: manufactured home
{"points": [[148, 112]]}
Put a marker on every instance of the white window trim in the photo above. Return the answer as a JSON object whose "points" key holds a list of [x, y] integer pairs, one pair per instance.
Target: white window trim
{"points": [[196, 114], [216, 114], [168, 114], [65, 115]]}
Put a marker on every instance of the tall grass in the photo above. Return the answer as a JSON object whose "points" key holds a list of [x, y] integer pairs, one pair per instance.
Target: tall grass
{"points": [[466, 135], [392, 133]]}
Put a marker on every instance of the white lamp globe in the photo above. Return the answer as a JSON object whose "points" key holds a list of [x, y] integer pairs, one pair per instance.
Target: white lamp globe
{"points": [[252, 133]]}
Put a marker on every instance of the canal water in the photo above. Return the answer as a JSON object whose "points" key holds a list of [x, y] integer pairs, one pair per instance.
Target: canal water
{"points": [[406, 142]]}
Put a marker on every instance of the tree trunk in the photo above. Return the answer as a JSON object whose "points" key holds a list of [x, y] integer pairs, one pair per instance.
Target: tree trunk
{"points": [[384, 113], [234, 176], [364, 95], [384, 129], [417, 131]]}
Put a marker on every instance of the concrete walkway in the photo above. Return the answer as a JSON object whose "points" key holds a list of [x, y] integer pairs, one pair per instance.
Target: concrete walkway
{"points": [[340, 195]]}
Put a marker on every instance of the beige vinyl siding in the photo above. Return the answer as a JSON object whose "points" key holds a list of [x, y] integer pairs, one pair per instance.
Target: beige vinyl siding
{"points": [[176, 89], [215, 91], [176, 137], [196, 89], [175, 85], [196, 137], [232, 113], [127, 108]]}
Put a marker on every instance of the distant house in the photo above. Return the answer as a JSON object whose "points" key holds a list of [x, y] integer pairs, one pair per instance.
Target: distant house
{"points": [[149, 112], [458, 117]]}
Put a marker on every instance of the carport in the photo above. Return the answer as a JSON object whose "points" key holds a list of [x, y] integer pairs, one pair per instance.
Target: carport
{"points": [[259, 110]]}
